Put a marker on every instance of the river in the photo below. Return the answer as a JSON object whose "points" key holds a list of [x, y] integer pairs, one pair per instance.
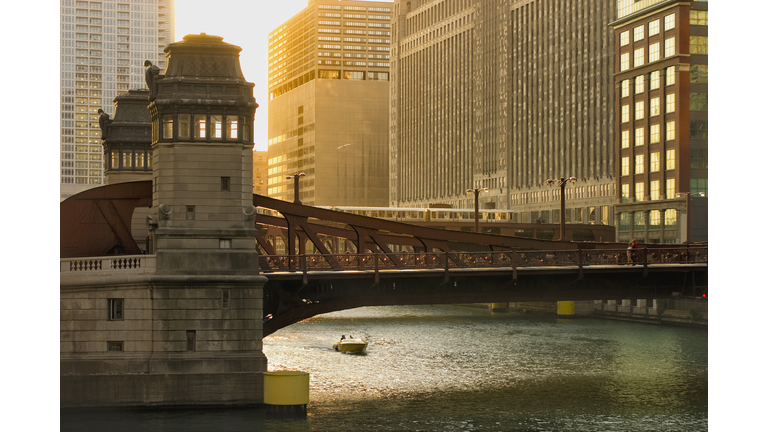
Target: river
{"points": [[459, 368]]}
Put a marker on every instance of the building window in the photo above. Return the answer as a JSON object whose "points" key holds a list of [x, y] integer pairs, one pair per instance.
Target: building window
{"points": [[670, 130], [191, 340], [670, 75], [200, 125], [167, 126], [639, 193], [655, 81], [670, 103], [653, 28], [655, 162], [653, 52], [655, 134], [184, 126], [639, 57], [114, 346], [625, 113], [625, 88], [670, 190], [699, 185], [698, 129], [699, 74], [639, 164], [699, 158], [654, 217], [232, 127], [639, 220], [670, 161], [655, 107], [190, 212], [699, 45], [623, 221], [140, 160], [670, 218], [354, 75], [225, 243], [699, 17], [216, 126], [625, 166], [639, 84], [655, 184], [624, 38], [225, 183], [698, 101], [639, 33], [669, 22], [625, 61], [625, 193], [127, 159], [625, 139], [329, 74], [669, 47], [114, 309], [225, 299], [639, 110], [639, 136]]}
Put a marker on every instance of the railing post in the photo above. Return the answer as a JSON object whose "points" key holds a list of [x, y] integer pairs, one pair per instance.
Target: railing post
{"points": [[446, 267], [375, 266], [580, 259], [514, 265], [645, 261], [305, 278]]}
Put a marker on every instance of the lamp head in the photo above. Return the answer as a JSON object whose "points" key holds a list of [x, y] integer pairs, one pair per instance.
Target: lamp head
{"points": [[469, 191], [572, 179]]}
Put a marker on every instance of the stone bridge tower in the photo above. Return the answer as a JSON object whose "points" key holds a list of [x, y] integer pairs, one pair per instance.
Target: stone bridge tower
{"points": [[181, 325]]}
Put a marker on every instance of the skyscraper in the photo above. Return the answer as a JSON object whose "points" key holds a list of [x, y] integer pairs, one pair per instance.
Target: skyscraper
{"points": [[329, 102], [504, 95], [661, 104], [104, 44]]}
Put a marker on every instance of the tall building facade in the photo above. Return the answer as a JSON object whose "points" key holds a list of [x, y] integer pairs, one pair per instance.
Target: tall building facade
{"points": [[504, 95], [661, 137], [329, 103], [104, 44]]}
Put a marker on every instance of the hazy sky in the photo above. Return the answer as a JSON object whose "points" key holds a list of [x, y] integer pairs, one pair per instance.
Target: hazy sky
{"points": [[245, 23]]}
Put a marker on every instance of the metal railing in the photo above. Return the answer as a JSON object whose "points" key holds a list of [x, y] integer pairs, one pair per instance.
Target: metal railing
{"points": [[496, 259]]}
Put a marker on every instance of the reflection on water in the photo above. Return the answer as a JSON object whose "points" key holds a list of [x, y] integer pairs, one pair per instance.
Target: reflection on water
{"points": [[457, 368]]}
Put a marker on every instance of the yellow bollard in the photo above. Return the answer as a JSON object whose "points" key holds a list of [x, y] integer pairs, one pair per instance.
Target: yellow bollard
{"points": [[500, 307], [566, 308], [286, 393]]}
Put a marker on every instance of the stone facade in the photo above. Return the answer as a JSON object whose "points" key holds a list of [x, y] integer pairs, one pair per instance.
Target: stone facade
{"points": [[504, 95], [181, 325]]}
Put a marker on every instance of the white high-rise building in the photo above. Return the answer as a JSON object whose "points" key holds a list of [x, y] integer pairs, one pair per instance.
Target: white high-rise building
{"points": [[104, 44]]}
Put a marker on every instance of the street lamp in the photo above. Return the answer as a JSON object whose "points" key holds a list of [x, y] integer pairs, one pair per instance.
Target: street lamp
{"points": [[688, 196], [477, 213], [295, 178], [562, 181]]}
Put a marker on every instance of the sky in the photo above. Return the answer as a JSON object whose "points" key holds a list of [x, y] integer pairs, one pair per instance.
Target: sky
{"points": [[247, 24]]}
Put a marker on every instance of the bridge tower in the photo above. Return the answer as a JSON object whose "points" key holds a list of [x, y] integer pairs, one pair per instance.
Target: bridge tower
{"points": [[181, 325]]}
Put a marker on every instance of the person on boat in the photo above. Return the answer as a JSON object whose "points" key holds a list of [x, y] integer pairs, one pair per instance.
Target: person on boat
{"points": [[343, 337]]}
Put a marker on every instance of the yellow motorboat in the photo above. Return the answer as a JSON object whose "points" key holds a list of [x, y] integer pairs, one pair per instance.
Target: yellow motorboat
{"points": [[350, 345]]}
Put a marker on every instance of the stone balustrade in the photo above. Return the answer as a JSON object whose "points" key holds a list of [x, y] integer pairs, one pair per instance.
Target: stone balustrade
{"points": [[109, 266]]}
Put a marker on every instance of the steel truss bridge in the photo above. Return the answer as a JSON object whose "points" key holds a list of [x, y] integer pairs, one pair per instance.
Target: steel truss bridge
{"points": [[394, 263]]}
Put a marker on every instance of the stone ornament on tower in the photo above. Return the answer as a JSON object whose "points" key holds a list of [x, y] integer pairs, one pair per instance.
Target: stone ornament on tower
{"points": [[151, 75], [104, 120]]}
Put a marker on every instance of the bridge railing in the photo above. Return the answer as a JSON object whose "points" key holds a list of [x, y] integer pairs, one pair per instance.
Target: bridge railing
{"points": [[490, 259], [128, 264]]}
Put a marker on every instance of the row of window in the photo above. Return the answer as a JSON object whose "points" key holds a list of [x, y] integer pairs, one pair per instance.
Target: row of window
{"points": [[653, 29], [653, 166], [654, 191], [355, 8], [198, 126], [654, 220]]}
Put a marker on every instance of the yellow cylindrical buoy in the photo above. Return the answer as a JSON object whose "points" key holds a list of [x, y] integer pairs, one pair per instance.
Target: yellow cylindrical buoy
{"points": [[566, 308], [500, 307], [286, 393]]}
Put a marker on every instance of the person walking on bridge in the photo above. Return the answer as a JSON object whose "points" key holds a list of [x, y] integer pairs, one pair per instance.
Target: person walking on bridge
{"points": [[631, 251]]}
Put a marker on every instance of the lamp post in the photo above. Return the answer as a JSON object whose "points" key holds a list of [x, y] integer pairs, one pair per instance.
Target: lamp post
{"points": [[477, 212], [687, 196], [562, 181], [295, 178]]}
